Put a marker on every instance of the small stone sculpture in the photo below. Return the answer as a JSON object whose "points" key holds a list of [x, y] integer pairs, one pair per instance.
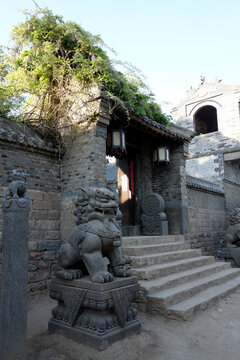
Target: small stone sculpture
{"points": [[17, 187], [232, 237], [95, 243], [231, 243], [154, 220]]}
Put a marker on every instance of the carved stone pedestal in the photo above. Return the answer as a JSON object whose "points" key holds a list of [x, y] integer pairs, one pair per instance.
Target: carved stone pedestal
{"points": [[153, 219], [94, 314]]}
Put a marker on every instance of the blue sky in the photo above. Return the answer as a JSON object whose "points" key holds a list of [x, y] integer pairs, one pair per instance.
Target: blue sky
{"points": [[173, 42]]}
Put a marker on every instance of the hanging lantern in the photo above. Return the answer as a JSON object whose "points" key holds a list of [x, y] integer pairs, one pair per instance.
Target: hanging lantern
{"points": [[118, 139], [117, 143], [161, 154]]}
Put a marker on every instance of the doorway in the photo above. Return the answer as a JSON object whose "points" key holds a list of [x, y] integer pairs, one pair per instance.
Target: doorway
{"points": [[127, 190]]}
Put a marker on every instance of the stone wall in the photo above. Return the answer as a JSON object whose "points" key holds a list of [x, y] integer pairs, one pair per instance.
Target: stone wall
{"points": [[42, 168], [44, 237], [232, 194], [207, 219], [83, 164], [206, 157], [43, 184], [169, 181]]}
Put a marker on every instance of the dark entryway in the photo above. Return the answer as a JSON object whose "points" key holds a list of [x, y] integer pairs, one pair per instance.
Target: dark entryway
{"points": [[205, 120]]}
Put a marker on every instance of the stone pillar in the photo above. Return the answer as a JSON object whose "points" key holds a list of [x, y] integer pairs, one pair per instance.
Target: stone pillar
{"points": [[13, 316]]}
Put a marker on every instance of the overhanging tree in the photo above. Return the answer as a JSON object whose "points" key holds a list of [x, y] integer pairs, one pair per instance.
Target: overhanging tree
{"points": [[53, 63]]}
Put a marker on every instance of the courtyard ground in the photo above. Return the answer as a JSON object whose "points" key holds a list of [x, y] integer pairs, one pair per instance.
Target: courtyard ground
{"points": [[211, 335]]}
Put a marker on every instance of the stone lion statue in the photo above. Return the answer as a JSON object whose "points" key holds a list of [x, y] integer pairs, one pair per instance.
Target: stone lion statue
{"points": [[95, 243], [17, 187], [232, 237]]}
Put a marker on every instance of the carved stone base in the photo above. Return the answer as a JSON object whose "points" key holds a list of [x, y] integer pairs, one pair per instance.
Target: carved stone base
{"points": [[94, 314], [155, 228], [231, 254]]}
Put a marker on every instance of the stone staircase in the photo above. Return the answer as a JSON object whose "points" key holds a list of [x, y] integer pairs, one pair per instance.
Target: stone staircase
{"points": [[176, 281]]}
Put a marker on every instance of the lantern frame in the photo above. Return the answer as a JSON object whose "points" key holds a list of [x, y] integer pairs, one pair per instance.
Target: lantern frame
{"points": [[161, 154]]}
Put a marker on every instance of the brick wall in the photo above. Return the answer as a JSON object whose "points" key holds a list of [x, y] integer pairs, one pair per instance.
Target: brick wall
{"points": [[169, 181], [44, 236], [207, 220], [83, 164], [232, 194], [42, 169]]}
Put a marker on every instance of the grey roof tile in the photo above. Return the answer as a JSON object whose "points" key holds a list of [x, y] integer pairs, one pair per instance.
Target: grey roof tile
{"points": [[24, 135], [201, 184]]}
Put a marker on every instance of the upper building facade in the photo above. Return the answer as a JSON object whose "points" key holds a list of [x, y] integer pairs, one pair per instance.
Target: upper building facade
{"points": [[212, 112]]}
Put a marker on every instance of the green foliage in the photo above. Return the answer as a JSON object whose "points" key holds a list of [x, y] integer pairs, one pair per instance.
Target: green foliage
{"points": [[53, 63]]}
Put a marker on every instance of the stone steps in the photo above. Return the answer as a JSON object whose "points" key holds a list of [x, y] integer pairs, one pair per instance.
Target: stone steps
{"points": [[154, 248], [175, 281], [166, 257], [186, 309], [144, 240], [178, 278], [165, 298], [152, 272]]}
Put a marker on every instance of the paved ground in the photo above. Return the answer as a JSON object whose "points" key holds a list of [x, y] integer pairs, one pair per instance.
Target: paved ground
{"points": [[211, 335]]}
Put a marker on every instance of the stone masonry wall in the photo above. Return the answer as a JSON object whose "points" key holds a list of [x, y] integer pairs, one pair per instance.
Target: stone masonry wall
{"points": [[84, 164], [206, 151], [169, 181], [206, 156], [44, 236], [232, 195], [42, 169], [207, 220]]}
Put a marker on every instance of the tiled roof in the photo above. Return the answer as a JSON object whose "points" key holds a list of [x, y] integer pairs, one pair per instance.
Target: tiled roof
{"points": [[203, 184], [22, 134], [165, 130]]}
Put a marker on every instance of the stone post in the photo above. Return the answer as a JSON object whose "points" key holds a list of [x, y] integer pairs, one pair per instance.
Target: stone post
{"points": [[13, 316]]}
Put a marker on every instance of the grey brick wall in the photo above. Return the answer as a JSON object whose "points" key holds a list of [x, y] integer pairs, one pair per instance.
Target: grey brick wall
{"points": [[232, 193], [43, 184], [207, 220], [44, 236], [83, 164], [42, 168], [169, 181]]}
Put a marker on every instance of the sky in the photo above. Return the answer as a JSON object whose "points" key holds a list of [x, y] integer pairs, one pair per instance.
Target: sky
{"points": [[173, 42]]}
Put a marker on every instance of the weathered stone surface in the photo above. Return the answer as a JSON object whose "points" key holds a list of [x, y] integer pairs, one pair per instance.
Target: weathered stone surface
{"points": [[153, 218], [48, 245], [232, 237], [16, 207], [96, 240], [232, 255], [94, 314]]}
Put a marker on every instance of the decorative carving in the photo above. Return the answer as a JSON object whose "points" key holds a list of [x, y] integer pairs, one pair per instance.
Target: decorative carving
{"points": [[122, 301], [95, 314], [95, 241], [73, 301], [231, 243], [232, 237], [17, 187], [153, 218], [13, 312]]}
